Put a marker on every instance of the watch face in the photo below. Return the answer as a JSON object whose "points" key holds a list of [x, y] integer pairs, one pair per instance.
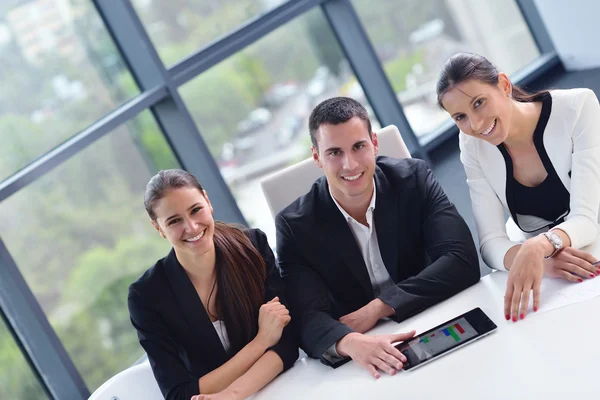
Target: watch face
{"points": [[555, 239]]}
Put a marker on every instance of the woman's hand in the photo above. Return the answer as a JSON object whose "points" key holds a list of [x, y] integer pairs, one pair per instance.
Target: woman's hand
{"points": [[525, 275], [572, 265], [272, 318]]}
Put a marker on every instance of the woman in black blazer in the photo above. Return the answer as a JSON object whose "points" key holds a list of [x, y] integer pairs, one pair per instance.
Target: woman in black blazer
{"points": [[211, 314]]}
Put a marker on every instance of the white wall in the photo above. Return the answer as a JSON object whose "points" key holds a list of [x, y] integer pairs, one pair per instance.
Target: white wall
{"points": [[574, 27]]}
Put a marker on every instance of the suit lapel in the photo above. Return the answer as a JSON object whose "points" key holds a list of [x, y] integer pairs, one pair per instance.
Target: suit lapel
{"points": [[199, 322], [386, 223], [339, 236]]}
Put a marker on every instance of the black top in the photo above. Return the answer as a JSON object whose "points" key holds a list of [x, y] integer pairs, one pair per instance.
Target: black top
{"points": [[550, 199], [177, 333], [425, 246]]}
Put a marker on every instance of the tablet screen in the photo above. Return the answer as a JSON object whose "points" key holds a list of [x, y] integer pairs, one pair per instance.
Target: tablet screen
{"points": [[433, 343]]}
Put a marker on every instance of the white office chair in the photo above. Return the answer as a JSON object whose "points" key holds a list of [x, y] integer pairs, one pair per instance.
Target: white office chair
{"points": [[135, 383], [285, 186]]}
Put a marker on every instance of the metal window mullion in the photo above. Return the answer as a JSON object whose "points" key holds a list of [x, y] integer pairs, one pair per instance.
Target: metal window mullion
{"points": [[368, 70], [536, 25], [238, 39], [171, 114], [35, 336], [79, 142]]}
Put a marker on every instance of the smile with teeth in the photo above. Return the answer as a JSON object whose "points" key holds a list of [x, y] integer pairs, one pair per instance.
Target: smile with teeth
{"points": [[352, 178], [195, 238], [490, 129]]}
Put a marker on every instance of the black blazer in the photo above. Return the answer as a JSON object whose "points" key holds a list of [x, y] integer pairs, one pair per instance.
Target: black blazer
{"points": [[175, 330], [425, 245]]}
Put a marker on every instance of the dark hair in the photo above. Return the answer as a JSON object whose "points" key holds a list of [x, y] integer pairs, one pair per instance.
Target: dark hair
{"points": [[240, 269], [334, 111], [462, 67]]}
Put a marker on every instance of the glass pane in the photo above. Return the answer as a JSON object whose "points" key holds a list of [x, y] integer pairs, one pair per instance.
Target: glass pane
{"points": [[178, 28], [256, 121], [17, 380], [59, 72], [80, 235], [414, 38]]}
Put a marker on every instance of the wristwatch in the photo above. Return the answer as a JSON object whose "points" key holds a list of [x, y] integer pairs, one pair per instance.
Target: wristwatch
{"points": [[555, 240]]}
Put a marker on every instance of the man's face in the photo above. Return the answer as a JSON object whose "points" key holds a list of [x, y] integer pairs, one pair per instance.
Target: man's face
{"points": [[346, 152]]}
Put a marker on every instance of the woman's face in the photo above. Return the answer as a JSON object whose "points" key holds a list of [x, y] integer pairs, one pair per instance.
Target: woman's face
{"points": [[184, 218], [481, 110]]}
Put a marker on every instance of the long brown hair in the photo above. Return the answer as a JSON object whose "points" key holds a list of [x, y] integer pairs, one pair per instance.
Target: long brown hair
{"points": [[462, 67], [240, 269]]}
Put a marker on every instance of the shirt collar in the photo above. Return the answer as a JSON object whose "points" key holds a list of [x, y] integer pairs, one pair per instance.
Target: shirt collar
{"points": [[347, 216]]}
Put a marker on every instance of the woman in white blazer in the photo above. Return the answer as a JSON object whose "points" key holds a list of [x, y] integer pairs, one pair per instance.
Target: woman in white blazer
{"points": [[535, 157]]}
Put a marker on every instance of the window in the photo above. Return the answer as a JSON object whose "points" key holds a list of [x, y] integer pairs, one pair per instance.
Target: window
{"points": [[80, 236], [17, 381], [414, 38], [59, 72], [252, 109], [178, 28]]}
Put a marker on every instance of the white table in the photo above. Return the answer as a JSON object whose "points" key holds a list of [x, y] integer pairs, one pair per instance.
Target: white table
{"points": [[550, 355]]}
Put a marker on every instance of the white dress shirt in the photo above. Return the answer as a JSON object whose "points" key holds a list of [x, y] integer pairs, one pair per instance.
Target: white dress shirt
{"points": [[366, 239], [222, 332]]}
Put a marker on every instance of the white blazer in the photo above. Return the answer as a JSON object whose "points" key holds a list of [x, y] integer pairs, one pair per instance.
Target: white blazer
{"points": [[572, 141]]}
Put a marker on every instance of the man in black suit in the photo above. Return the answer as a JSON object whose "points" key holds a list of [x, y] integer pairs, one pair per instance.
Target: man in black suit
{"points": [[373, 238]]}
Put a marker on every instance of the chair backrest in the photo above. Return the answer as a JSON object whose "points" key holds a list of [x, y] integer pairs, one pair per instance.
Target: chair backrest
{"points": [[285, 186], [135, 383]]}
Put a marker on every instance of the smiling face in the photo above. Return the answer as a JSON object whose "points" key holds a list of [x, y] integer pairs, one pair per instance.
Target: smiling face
{"points": [[346, 152], [184, 218], [481, 110]]}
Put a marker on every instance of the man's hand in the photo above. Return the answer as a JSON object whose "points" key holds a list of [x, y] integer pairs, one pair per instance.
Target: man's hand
{"points": [[374, 353], [365, 318], [224, 395]]}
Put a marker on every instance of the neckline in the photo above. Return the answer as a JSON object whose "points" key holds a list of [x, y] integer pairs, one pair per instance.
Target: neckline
{"points": [[538, 141], [540, 127]]}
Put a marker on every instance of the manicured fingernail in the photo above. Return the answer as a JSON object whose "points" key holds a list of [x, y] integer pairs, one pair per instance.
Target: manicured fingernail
{"points": [[534, 309], [580, 280], [592, 276], [598, 272], [515, 318], [507, 317], [522, 316]]}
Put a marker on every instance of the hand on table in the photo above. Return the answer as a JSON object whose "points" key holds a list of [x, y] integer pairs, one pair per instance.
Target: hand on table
{"points": [[572, 265], [374, 353], [525, 275], [365, 318], [224, 395]]}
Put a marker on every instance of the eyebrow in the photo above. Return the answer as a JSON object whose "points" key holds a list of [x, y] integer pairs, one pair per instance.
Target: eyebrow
{"points": [[471, 102], [177, 215], [339, 148]]}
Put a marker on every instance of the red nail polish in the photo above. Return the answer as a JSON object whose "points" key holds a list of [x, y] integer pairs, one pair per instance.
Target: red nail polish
{"points": [[598, 272], [507, 317], [592, 276], [580, 280], [522, 316], [515, 318], [534, 309]]}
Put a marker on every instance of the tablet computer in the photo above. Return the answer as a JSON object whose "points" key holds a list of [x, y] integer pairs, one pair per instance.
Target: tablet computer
{"points": [[445, 338]]}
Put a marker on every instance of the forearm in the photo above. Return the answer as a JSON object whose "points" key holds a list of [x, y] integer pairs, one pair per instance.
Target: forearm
{"points": [[445, 277], [538, 244], [220, 378], [258, 376]]}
